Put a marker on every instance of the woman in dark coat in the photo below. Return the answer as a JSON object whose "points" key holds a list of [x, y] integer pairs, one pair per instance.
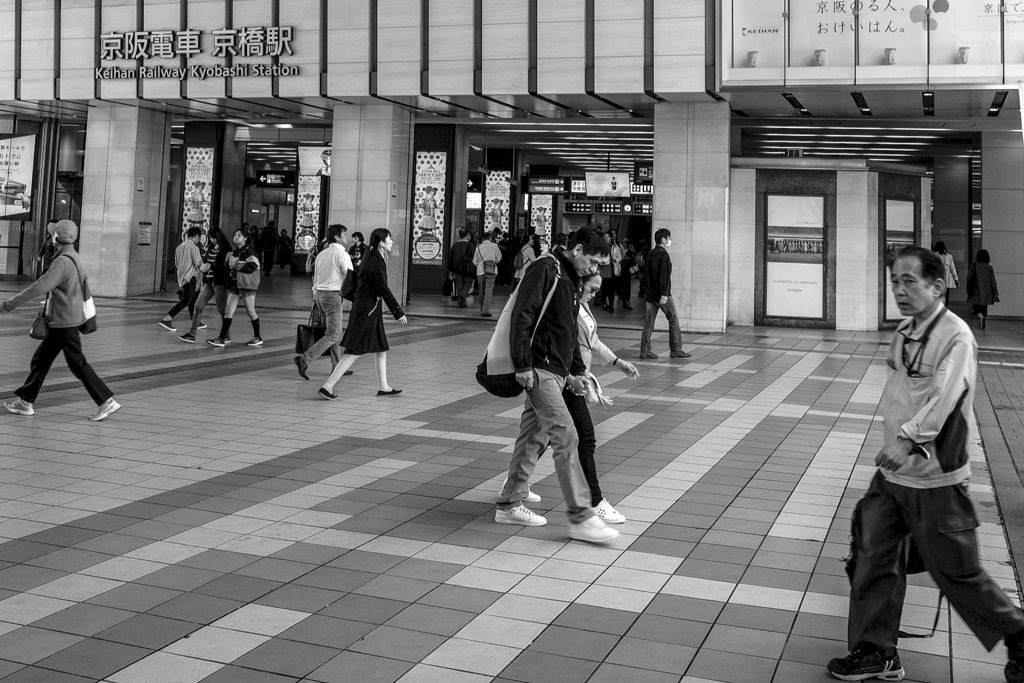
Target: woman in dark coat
{"points": [[982, 291], [365, 331]]}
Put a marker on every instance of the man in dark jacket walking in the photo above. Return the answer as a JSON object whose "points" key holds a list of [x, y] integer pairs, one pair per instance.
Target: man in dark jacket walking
{"points": [[63, 283], [460, 265], [546, 356], [659, 298]]}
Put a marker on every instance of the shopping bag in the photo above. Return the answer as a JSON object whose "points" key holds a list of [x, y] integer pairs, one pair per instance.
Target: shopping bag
{"points": [[310, 333]]}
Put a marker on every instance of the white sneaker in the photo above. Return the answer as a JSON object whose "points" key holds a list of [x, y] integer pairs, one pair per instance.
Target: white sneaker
{"points": [[592, 530], [109, 407], [520, 515], [531, 497], [20, 407], [609, 514]]}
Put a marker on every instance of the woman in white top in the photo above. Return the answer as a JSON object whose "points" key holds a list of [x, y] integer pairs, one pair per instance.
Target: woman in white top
{"points": [[528, 253], [952, 280]]}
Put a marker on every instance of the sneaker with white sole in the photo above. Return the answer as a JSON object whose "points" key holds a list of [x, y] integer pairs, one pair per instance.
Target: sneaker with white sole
{"points": [[109, 407], [531, 497], [593, 530], [202, 326], [520, 515], [609, 514], [255, 341], [20, 407]]}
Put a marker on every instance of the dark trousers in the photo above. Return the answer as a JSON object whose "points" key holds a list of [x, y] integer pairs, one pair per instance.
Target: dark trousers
{"points": [[942, 523], [580, 413], [624, 285], [267, 262], [606, 295], [68, 340], [983, 310], [186, 298]]}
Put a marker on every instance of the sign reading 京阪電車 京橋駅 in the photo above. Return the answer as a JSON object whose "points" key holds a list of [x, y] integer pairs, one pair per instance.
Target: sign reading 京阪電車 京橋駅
{"points": [[254, 41]]}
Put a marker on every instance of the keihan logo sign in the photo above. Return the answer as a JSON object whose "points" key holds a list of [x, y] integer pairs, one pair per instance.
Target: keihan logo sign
{"points": [[253, 41]]}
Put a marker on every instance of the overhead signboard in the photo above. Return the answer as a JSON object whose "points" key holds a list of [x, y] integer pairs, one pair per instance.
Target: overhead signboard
{"points": [[549, 185], [608, 184], [274, 179], [578, 185], [643, 172], [607, 207], [578, 207]]}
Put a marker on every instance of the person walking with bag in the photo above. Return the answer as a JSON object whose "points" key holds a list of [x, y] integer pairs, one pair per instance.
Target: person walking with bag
{"points": [[243, 281], [64, 284], [460, 265], [920, 488], [982, 290], [659, 298], [215, 280], [486, 259], [365, 332], [952, 279], [546, 356], [332, 265]]}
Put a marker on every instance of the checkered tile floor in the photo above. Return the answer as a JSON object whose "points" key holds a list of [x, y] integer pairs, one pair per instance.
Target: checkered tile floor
{"points": [[227, 525]]}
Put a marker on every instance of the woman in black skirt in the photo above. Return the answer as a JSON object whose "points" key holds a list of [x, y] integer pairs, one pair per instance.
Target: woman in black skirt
{"points": [[365, 332]]}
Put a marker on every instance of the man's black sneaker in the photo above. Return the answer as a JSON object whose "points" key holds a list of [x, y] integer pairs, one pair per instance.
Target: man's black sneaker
{"points": [[202, 326], [864, 663], [679, 354], [166, 324], [187, 337], [216, 342], [1014, 670], [255, 341]]}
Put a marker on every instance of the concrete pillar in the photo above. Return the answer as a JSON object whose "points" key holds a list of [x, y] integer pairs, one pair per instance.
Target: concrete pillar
{"points": [[856, 250], [371, 178], [742, 245], [953, 216], [1002, 206], [691, 185], [126, 167]]}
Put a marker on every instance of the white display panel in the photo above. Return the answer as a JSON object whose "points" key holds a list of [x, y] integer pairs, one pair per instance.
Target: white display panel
{"points": [[794, 290], [795, 211]]}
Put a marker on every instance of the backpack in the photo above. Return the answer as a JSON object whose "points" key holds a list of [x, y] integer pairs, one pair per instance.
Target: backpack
{"points": [[496, 373], [519, 262]]}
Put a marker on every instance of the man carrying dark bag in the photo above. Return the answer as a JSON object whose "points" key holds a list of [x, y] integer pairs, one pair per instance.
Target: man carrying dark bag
{"points": [[460, 265], [63, 285], [332, 265], [920, 488]]}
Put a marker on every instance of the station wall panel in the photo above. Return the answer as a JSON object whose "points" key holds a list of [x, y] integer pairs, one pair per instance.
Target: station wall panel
{"points": [[618, 46], [398, 47], [506, 48], [252, 13], [160, 15], [37, 53], [7, 51], [304, 18], [451, 47], [561, 46], [348, 48], [206, 16], [679, 45], [118, 16]]}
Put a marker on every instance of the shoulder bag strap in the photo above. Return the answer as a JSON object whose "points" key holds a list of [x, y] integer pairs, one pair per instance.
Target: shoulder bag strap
{"points": [[547, 299]]}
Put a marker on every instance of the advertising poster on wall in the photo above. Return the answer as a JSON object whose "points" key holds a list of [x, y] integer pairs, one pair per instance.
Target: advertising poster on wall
{"points": [[795, 257], [540, 213], [608, 185], [17, 159], [307, 213], [899, 233], [497, 197], [198, 188], [315, 161], [428, 209]]}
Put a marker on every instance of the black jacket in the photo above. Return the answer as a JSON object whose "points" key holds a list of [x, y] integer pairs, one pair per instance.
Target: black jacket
{"points": [[373, 286], [658, 269], [460, 259], [554, 347]]}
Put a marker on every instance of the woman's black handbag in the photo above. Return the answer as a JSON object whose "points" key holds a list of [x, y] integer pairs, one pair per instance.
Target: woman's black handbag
{"points": [[40, 327], [310, 333]]}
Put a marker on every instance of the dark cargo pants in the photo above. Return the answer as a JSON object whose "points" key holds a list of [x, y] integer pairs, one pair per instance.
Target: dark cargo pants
{"points": [[942, 523]]}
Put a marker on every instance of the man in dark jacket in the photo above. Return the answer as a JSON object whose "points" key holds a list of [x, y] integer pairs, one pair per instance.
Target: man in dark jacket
{"points": [[659, 298], [460, 265], [63, 283], [547, 358]]}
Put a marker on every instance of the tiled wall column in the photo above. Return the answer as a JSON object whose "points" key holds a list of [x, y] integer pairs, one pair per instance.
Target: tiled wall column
{"points": [[953, 215], [370, 177], [742, 234], [691, 167], [1002, 205], [856, 250], [124, 146]]}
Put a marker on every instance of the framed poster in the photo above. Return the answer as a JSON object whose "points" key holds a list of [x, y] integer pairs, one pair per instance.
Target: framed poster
{"points": [[17, 159], [497, 197], [795, 257], [198, 188], [307, 213], [899, 233], [428, 209]]}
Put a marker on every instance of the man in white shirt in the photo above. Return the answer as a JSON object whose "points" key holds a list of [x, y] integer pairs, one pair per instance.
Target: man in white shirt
{"points": [[486, 261], [332, 265]]}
